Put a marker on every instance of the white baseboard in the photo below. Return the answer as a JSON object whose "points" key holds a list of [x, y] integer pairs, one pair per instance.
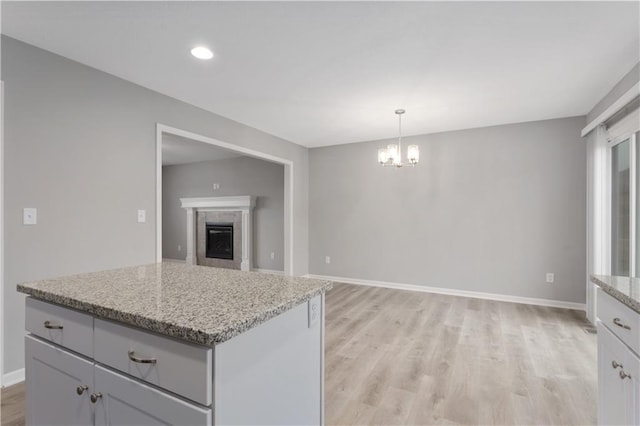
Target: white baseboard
{"points": [[13, 378], [268, 271], [455, 292], [174, 260]]}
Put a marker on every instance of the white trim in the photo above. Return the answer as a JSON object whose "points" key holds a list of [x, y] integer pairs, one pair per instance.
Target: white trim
{"points": [[623, 100], [454, 292], [624, 128], [167, 260], [268, 271], [632, 205], [219, 203], [2, 236], [288, 186], [158, 193], [13, 378]]}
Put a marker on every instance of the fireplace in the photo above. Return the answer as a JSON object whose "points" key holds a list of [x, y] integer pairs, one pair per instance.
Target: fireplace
{"points": [[231, 245], [219, 240]]}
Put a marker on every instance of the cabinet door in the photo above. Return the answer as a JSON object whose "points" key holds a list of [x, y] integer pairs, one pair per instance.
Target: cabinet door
{"points": [[53, 376], [618, 383], [124, 402]]}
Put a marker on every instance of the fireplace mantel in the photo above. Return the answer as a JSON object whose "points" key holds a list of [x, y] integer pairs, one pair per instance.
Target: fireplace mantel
{"points": [[242, 203], [220, 203]]}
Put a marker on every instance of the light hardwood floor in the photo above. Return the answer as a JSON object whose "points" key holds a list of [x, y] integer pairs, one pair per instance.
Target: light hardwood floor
{"points": [[12, 405], [401, 357]]}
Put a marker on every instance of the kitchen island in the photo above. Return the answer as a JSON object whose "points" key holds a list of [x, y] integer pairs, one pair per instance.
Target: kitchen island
{"points": [[170, 343]]}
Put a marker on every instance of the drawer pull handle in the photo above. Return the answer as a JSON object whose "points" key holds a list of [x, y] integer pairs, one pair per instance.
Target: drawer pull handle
{"points": [[615, 364], [95, 397], [624, 375], [80, 389], [134, 358], [47, 324], [617, 322]]}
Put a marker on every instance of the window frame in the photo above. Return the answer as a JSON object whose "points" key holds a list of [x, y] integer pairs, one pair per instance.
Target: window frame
{"points": [[625, 129]]}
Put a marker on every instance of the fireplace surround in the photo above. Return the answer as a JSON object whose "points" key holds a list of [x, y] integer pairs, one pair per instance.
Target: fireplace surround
{"points": [[235, 212]]}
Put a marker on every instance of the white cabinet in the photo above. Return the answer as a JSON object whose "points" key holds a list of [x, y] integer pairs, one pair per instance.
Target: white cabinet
{"points": [[87, 371], [59, 384], [618, 363], [66, 386], [618, 383], [121, 401]]}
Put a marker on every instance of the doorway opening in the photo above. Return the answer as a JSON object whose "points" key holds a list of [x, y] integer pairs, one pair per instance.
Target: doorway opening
{"points": [[190, 162]]}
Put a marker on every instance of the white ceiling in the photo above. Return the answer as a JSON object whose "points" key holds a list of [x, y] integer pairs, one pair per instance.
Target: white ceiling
{"points": [[324, 73], [179, 150]]}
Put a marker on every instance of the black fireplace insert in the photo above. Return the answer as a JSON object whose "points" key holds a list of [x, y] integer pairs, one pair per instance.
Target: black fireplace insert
{"points": [[220, 240]]}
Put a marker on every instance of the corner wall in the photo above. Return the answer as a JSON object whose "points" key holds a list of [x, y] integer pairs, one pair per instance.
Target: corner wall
{"points": [[488, 210], [80, 146]]}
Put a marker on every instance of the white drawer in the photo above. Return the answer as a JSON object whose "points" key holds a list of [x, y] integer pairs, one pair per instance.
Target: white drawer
{"points": [[180, 367], [62, 326], [622, 321]]}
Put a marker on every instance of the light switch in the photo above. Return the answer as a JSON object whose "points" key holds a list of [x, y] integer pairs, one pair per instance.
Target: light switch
{"points": [[142, 216], [29, 216]]}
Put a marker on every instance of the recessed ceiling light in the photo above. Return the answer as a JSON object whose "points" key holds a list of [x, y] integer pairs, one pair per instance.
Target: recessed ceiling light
{"points": [[202, 52]]}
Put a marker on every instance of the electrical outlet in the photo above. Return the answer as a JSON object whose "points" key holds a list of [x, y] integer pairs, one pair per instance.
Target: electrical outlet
{"points": [[314, 311], [327, 260], [179, 248], [273, 255], [216, 186], [550, 277], [142, 216], [29, 216]]}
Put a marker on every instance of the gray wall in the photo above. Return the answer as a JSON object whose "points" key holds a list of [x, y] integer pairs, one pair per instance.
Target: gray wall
{"points": [[489, 210], [626, 83], [80, 146], [236, 176]]}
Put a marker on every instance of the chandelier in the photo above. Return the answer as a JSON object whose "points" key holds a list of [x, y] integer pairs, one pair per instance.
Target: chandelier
{"points": [[392, 154]]}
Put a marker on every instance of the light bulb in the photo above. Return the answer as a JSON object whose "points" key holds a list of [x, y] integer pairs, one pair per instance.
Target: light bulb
{"points": [[413, 153], [394, 155], [383, 155]]}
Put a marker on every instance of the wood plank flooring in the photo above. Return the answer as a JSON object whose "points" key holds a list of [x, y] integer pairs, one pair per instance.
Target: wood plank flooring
{"points": [[401, 357], [12, 405]]}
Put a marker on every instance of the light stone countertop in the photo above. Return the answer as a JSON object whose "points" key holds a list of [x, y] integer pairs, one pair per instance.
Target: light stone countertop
{"points": [[199, 304], [625, 289]]}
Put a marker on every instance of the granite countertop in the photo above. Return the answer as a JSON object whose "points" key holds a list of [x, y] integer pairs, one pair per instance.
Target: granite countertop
{"points": [[625, 289], [198, 304]]}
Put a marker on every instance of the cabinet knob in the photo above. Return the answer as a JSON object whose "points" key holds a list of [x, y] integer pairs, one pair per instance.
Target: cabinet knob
{"points": [[80, 389], [95, 397], [619, 323], [615, 364], [624, 375]]}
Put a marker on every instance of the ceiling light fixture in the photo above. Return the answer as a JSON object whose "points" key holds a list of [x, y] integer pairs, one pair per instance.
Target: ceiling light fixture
{"points": [[202, 52], [392, 154]]}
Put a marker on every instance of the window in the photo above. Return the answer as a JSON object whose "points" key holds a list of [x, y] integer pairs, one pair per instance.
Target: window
{"points": [[624, 203], [620, 208]]}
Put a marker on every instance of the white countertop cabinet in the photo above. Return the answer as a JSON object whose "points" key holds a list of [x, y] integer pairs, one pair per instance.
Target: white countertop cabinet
{"points": [[83, 370], [618, 363]]}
